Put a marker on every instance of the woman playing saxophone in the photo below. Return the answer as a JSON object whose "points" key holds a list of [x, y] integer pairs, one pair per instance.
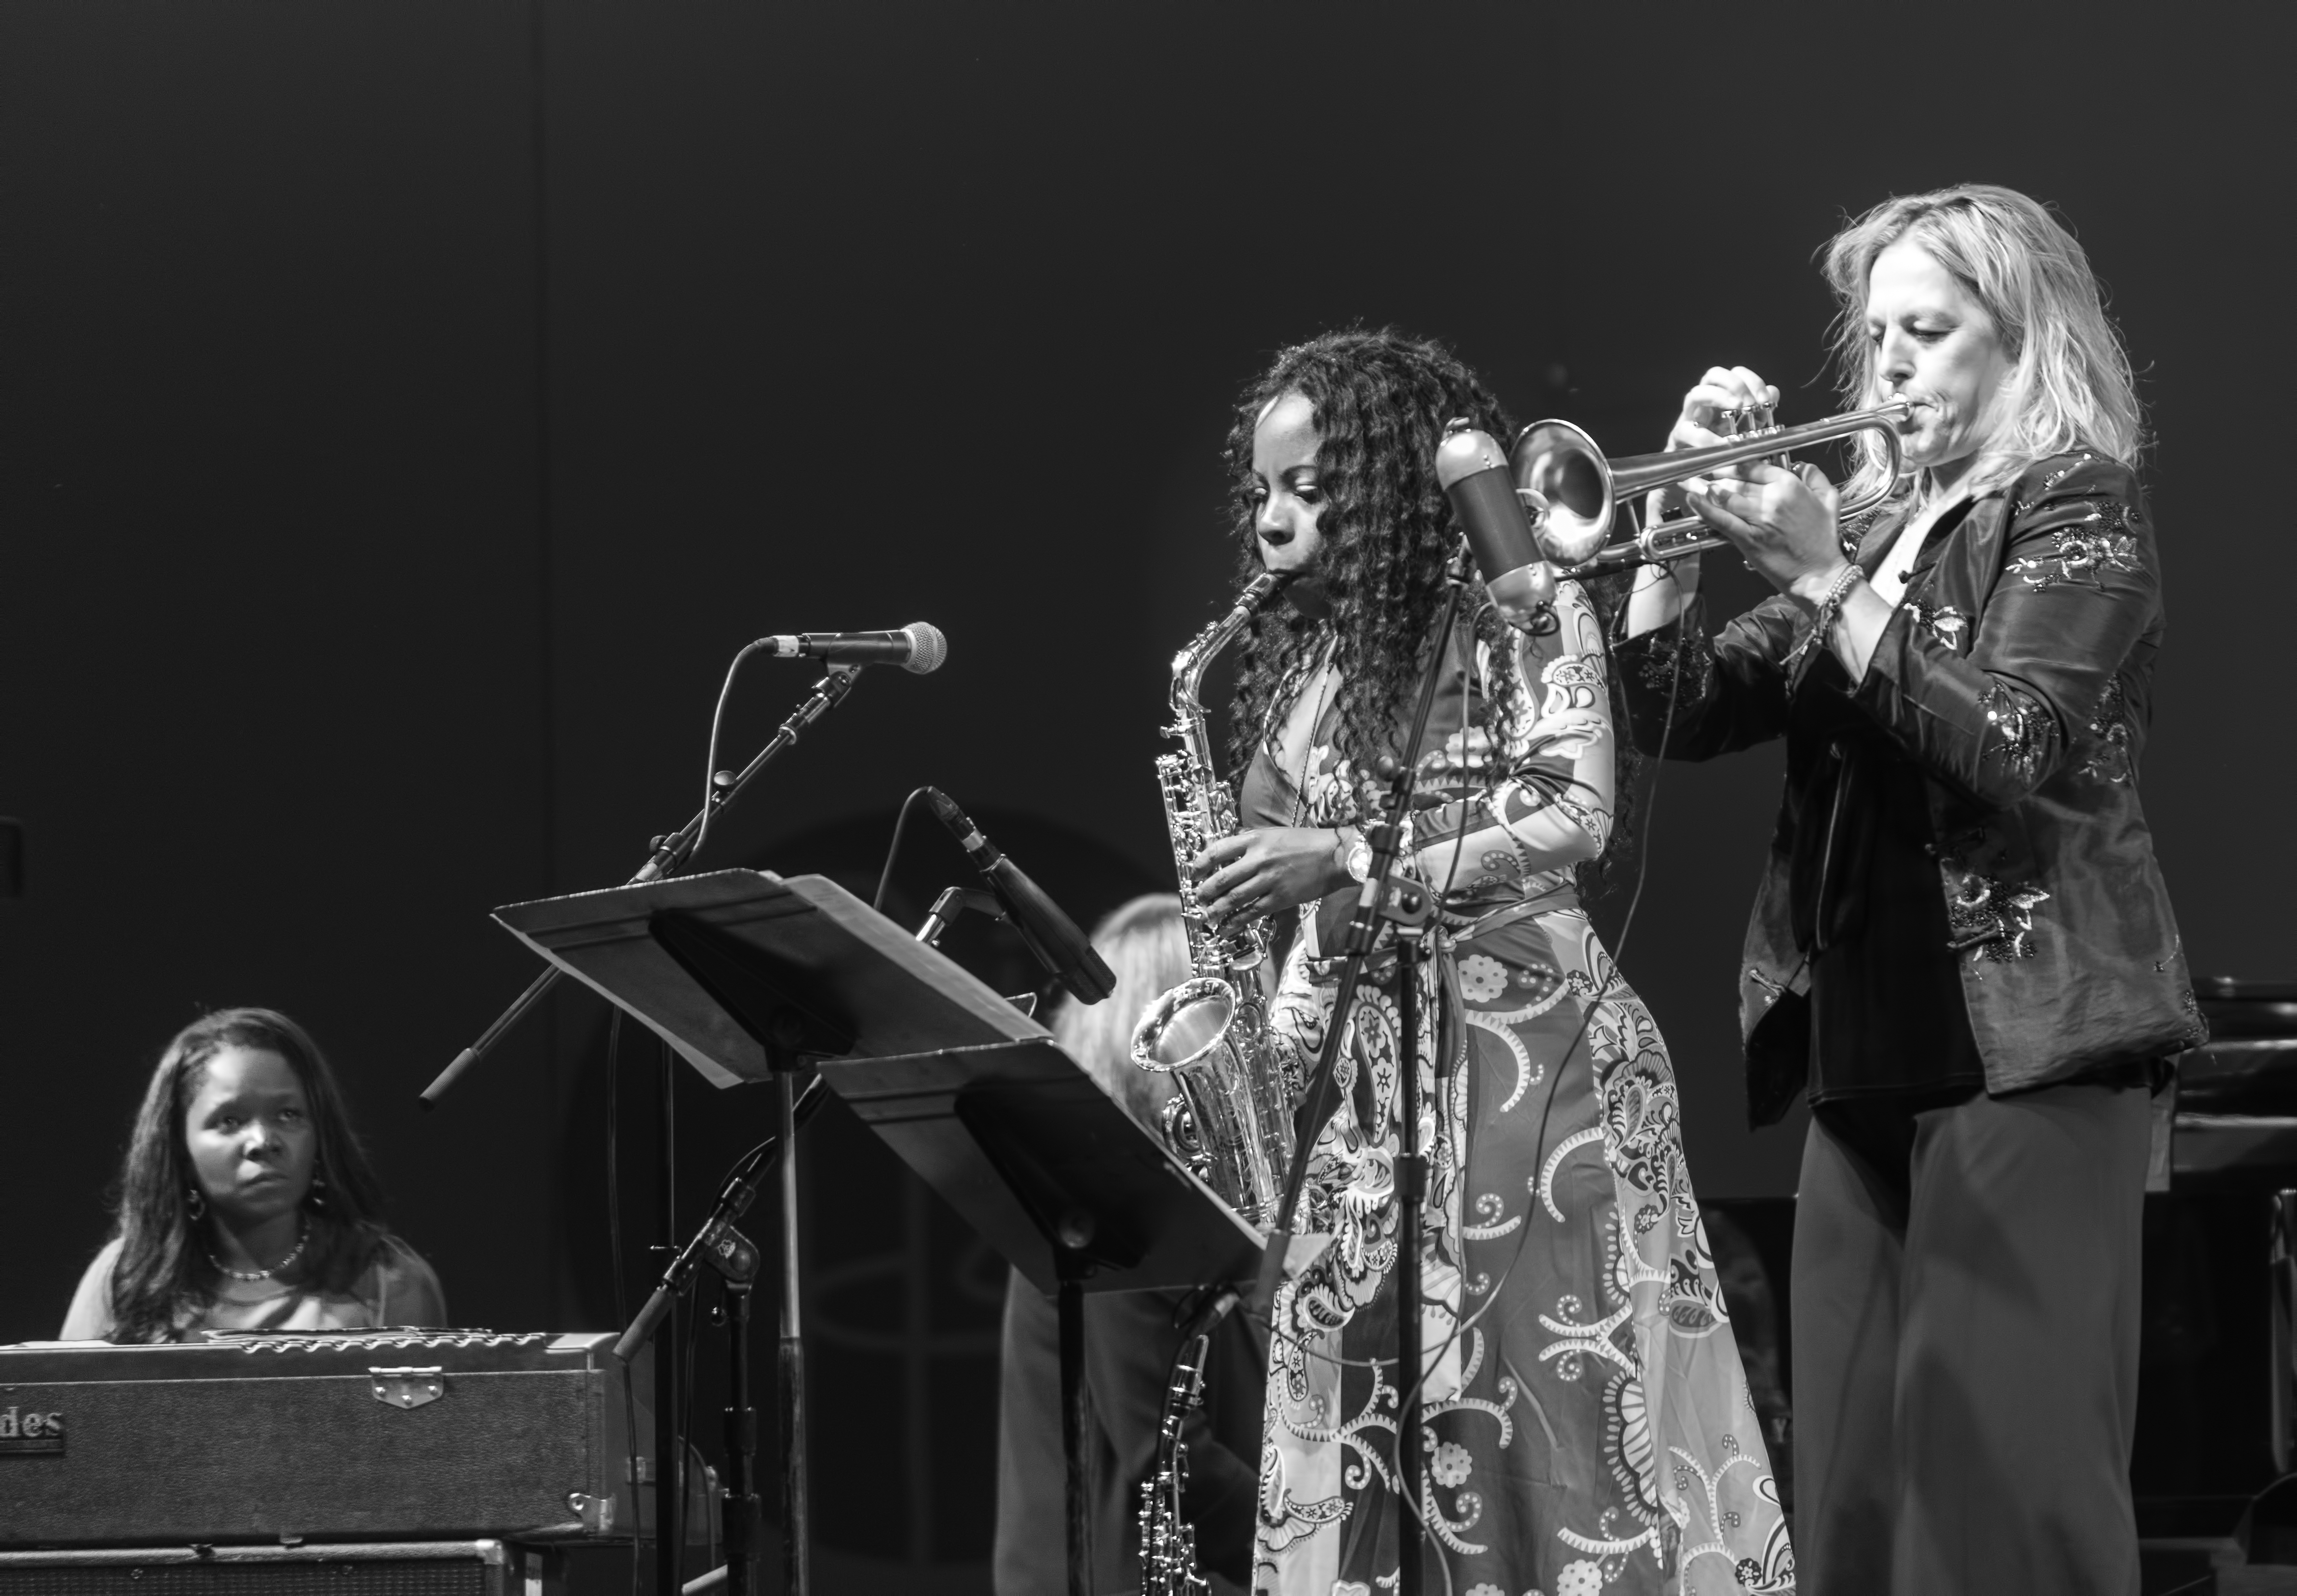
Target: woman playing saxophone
{"points": [[1584, 1391]]}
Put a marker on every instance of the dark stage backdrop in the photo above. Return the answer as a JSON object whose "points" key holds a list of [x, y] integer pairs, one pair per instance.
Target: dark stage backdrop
{"points": [[409, 407]]}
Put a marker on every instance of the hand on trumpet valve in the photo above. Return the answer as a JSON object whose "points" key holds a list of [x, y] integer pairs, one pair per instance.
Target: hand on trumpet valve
{"points": [[1725, 402], [1783, 522]]}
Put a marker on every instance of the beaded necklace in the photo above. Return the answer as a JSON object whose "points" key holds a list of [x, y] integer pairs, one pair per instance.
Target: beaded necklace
{"points": [[253, 1275]]}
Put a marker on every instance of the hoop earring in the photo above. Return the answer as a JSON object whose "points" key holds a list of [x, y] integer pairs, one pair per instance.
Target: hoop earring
{"points": [[318, 1196], [196, 1203]]}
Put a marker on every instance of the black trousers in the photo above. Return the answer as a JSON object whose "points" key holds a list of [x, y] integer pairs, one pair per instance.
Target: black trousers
{"points": [[1965, 1312]]}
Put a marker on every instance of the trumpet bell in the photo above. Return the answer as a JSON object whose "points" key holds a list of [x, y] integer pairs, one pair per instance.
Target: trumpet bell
{"points": [[1563, 480]]}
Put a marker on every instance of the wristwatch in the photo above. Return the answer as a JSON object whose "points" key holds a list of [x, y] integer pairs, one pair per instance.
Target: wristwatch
{"points": [[1358, 858]]}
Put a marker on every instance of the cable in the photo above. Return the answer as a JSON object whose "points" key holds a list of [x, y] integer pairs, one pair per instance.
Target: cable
{"points": [[717, 725], [1459, 843], [893, 849], [615, 1163]]}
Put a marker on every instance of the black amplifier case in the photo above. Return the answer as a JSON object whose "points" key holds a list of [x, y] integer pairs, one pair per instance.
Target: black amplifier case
{"points": [[358, 1437], [388, 1568]]}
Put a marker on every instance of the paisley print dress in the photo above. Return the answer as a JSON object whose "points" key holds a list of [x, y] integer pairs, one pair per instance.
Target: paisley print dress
{"points": [[1588, 1427]]}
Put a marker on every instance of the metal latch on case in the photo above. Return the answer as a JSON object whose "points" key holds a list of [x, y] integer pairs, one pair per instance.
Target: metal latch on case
{"points": [[407, 1388]]}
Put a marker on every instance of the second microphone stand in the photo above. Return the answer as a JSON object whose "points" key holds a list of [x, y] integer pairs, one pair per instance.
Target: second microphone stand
{"points": [[669, 858], [735, 1259], [1407, 906]]}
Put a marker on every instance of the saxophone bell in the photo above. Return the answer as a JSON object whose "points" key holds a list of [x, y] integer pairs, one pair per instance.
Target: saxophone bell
{"points": [[1184, 1024]]}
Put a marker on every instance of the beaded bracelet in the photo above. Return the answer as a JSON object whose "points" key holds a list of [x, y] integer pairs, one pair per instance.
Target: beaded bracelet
{"points": [[1829, 608]]}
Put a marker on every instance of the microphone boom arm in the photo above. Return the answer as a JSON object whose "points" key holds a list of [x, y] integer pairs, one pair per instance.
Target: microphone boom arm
{"points": [[670, 856]]}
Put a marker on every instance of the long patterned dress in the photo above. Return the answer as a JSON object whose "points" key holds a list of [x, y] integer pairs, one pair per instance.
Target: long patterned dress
{"points": [[1589, 1426]]}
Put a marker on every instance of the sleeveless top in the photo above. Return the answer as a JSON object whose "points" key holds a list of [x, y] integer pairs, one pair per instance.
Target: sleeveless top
{"points": [[397, 1288]]}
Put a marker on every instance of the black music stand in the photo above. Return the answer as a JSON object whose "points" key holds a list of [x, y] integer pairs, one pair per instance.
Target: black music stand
{"points": [[746, 974]]}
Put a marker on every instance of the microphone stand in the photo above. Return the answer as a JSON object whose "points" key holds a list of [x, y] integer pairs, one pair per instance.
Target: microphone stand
{"points": [[670, 856], [737, 1260], [1408, 907]]}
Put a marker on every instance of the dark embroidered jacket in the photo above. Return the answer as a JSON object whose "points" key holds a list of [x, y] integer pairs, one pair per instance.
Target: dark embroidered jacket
{"points": [[2018, 675]]}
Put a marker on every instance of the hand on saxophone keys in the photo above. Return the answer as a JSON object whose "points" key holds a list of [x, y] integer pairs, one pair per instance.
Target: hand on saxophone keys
{"points": [[1269, 870]]}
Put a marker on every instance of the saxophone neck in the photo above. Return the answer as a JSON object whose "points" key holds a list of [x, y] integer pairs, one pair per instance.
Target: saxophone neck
{"points": [[1188, 664]]}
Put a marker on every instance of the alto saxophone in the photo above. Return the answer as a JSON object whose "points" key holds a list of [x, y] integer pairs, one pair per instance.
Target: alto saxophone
{"points": [[1231, 1120]]}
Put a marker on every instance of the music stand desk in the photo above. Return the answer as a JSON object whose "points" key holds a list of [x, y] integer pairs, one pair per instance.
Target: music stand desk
{"points": [[744, 972]]}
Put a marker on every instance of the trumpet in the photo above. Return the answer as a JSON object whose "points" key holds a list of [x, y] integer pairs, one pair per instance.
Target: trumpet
{"points": [[1571, 492]]}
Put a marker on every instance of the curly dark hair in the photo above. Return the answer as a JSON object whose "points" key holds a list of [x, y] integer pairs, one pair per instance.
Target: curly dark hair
{"points": [[165, 1268], [1380, 400]]}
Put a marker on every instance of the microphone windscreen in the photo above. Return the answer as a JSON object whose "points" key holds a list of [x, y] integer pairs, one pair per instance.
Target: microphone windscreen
{"points": [[1474, 472], [927, 648], [1475, 475]]}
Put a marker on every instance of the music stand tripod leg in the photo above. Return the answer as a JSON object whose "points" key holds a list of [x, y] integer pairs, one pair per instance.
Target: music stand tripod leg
{"points": [[669, 1445], [741, 1448], [1072, 1267], [796, 1573]]}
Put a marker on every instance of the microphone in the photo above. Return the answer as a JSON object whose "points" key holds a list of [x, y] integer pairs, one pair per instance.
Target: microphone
{"points": [[735, 1254], [726, 1248], [918, 647], [1051, 936], [1474, 471]]}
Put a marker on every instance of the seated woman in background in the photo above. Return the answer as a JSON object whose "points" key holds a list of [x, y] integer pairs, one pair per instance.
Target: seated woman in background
{"points": [[1130, 1339], [246, 1201]]}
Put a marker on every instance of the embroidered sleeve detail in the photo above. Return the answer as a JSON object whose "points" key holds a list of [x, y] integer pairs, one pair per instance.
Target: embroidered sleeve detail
{"points": [[2197, 1028], [2019, 728], [1943, 621], [2050, 484], [2081, 553], [1690, 653], [2109, 758], [1988, 918], [1852, 535]]}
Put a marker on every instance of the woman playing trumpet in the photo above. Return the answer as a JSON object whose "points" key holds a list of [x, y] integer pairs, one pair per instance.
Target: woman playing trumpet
{"points": [[1963, 950], [1590, 1424]]}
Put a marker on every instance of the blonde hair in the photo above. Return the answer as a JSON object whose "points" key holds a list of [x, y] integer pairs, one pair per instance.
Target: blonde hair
{"points": [[2071, 386], [1148, 954]]}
